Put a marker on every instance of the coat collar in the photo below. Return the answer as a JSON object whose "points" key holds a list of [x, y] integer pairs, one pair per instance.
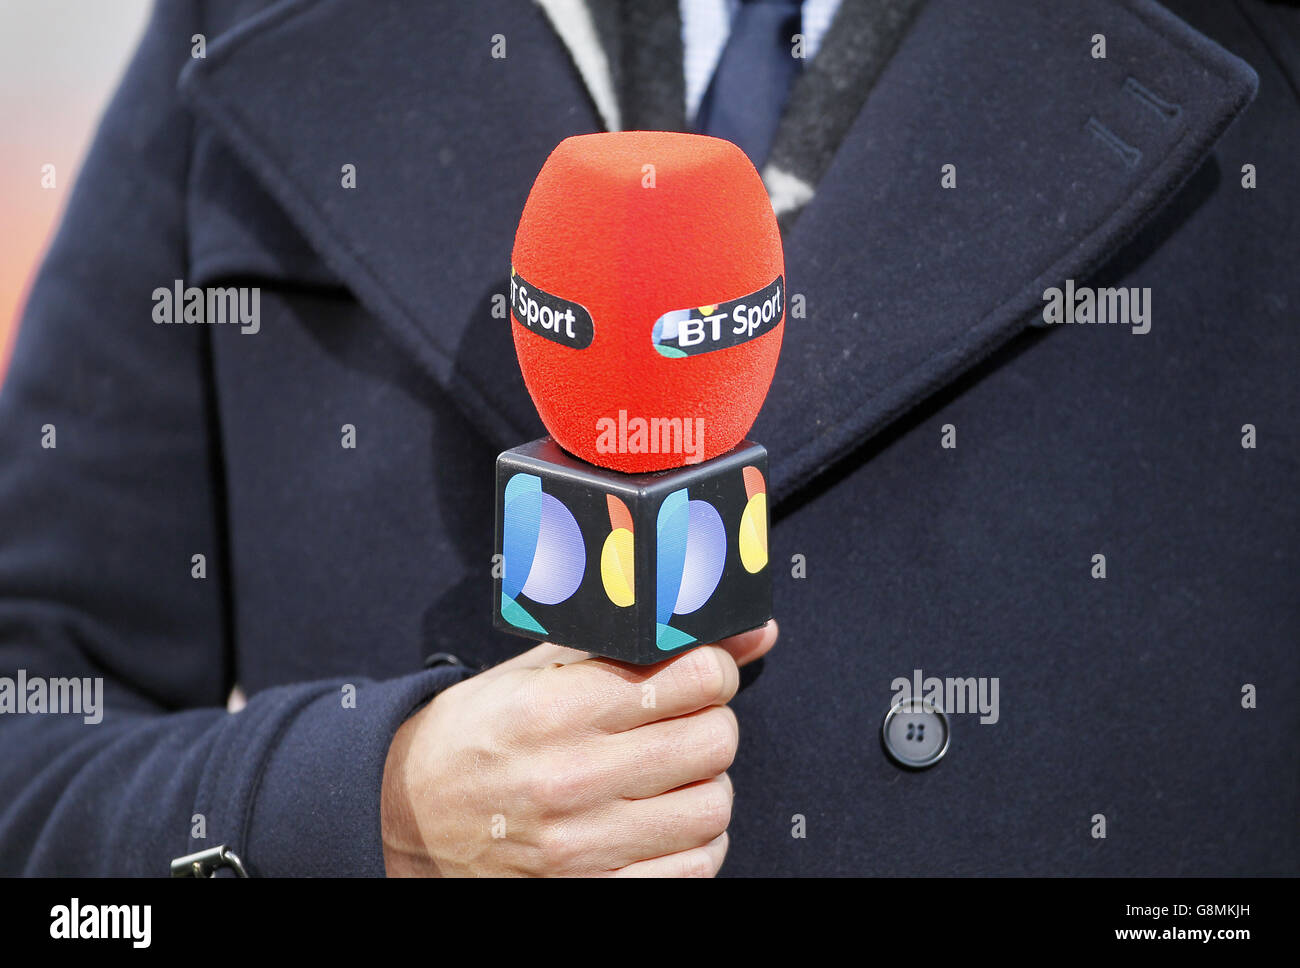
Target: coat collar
{"points": [[1059, 158]]}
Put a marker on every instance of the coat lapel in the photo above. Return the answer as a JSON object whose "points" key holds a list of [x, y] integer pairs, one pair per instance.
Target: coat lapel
{"points": [[446, 140], [1059, 158]]}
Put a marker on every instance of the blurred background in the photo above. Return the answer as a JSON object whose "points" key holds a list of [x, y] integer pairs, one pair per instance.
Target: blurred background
{"points": [[60, 61]]}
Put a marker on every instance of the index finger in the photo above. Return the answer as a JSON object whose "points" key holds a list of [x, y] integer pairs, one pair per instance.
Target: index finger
{"points": [[611, 696]]}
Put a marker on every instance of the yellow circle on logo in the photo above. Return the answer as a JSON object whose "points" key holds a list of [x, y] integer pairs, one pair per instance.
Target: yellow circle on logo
{"points": [[616, 567], [753, 534]]}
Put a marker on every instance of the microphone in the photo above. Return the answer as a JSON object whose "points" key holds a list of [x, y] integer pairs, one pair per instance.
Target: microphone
{"points": [[641, 230], [647, 297]]}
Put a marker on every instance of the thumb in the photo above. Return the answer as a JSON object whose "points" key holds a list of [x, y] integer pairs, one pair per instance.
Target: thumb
{"points": [[754, 644]]}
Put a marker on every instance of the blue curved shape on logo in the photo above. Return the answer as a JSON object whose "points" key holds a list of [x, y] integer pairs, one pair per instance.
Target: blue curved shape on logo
{"points": [[691, 551], [543, 553], [521, 523], [706, 553], [670, 552], [560, 557]]}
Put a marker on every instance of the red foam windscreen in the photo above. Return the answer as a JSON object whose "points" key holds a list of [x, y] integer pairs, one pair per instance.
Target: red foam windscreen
{"points": [[648, 297]]}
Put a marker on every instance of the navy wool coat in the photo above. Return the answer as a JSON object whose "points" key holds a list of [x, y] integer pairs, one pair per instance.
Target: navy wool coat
{"points": [[1126, 696]]}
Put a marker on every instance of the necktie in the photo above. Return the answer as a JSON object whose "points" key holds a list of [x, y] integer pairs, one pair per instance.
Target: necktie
{"points": [[750, 85]]}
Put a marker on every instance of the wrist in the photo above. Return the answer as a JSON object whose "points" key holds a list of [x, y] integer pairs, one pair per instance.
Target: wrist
{"points": [[399, 830]]}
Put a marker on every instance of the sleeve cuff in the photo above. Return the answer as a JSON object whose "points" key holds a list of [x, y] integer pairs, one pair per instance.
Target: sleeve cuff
{"points": [[315, 807]]}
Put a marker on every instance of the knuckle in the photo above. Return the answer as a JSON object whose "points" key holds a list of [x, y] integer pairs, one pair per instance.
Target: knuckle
{"points": [[720, 855], [559, 848], [541, 709], [715, 808], [557, 786], [697, 863], [719, 739], [702, 675]]}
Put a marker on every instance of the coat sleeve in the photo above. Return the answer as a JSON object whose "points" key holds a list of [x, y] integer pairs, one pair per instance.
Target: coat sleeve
{"points": [[110, 484]]}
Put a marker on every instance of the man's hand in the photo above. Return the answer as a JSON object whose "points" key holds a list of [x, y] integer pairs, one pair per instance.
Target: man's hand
{"points": [[556, 762]]}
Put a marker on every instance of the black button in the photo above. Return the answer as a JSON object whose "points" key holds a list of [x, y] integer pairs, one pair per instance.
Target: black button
{"points": [[915, 733]]}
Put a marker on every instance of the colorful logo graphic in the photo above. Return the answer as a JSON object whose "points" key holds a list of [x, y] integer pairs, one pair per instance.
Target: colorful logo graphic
{"points": [[703, 329], [616, 568], [753, 522], [691, 551], [544, 556]]}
